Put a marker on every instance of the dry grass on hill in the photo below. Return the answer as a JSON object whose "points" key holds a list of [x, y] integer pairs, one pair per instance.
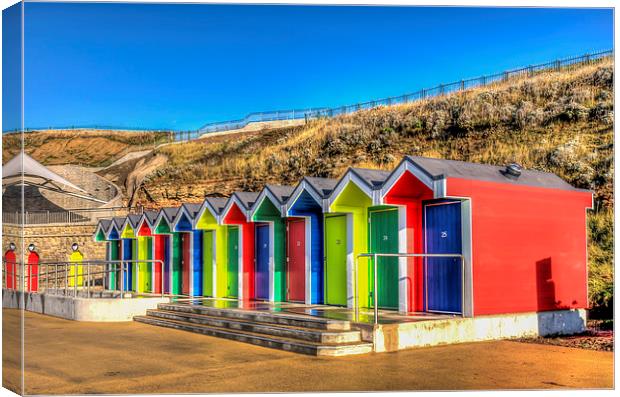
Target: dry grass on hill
{"points": [[559, 122], [94, 148]]}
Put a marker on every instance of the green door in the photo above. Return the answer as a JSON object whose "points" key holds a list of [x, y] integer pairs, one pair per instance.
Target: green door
{"points": [[232, 284], [207, 263], [384, 240], [148, 266], [177, 248], [113, 266], [336, 260]]}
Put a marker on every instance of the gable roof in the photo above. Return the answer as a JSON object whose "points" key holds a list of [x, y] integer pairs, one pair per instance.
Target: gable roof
{"points": [[192, 209], [322, 186], [134, 220], [440, 169], [150, 217], [373, 178], [247, 199], [102, 226], [169, 214], [368, 180], [280, 192], [217, 204], [278, 195]]}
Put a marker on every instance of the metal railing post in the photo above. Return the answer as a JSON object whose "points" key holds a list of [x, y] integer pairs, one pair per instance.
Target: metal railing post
{"points": [[374, 293], [88, 281], [161, 271], [122, 276], [356, 297], [66, 289]]}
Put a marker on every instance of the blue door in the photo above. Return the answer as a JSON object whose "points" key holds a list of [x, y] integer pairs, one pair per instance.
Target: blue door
{"points": [[442, 233], [262, 262], [127, 266], [197, 262]]}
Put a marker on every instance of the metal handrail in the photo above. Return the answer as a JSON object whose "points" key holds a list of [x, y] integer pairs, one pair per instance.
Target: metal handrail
{"points": [[399, 255], [124, 264]]}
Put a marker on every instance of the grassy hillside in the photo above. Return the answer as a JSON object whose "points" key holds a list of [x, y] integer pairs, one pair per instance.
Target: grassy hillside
{"points": [[560, 122], [93, 148]]}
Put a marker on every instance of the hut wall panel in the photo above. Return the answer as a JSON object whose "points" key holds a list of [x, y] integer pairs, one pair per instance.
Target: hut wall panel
{"points": [[529, 247]]}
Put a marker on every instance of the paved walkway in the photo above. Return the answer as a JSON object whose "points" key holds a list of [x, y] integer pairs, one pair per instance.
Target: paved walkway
{"points": [[71, 357]]}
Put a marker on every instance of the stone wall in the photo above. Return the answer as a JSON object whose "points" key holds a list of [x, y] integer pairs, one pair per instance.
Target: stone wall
{"points": [[53, 242]]}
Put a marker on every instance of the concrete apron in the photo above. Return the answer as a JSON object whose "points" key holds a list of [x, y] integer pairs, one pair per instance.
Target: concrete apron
{"points": [[433, 332], [100, 309]]}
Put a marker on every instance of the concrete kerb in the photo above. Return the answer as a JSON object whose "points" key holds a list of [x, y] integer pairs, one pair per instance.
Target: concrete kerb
{"points": [[81, 309]]}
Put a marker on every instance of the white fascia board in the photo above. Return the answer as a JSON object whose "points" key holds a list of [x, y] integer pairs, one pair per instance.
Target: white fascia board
{"points": [[349, 177], [206, 206], [265, 193], [162, 216], [107, 233], [303, 186], [408, 166], [182, 211], [234, 199], [97, 230]]}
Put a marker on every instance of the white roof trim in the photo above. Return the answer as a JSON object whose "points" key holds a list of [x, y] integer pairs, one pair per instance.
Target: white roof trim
{"points": [[352, 177], [267, 193], [437, 186], [160, 216], [112, 225], [206, 205], [182, 211], [234, 199], [301, 187]]}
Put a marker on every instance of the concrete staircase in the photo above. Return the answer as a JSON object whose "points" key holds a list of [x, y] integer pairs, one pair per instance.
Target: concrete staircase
{"points": [[285, 331]]}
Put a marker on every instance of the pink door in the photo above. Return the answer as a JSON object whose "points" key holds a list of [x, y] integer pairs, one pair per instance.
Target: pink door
{"points": [[296, 249]]}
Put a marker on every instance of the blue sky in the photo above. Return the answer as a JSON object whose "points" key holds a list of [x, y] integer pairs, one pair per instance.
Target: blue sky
{"points": [[180, 66]]}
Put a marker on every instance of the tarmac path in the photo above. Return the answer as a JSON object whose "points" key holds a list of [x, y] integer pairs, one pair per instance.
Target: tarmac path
{"points": [[69, 357]]}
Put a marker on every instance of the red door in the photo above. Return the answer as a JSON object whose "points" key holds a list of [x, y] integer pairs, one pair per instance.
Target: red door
{"points": [[33, 272], [296, 242], [10, 270], [187, 238]]}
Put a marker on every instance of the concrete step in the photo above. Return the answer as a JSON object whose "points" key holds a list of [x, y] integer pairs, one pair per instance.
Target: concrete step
{"points": [[272, 341], [261, 317], [288, 331]]}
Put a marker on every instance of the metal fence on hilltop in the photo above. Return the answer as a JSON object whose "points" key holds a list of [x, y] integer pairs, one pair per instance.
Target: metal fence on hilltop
{"points": [[327, 112], [69, 216]]}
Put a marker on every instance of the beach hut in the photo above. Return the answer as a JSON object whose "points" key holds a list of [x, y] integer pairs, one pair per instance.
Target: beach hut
{"points": [[117, 252], [522, 234], [172, 268], [346, 236], [149, 272], [129, 235], [111, 246], [191, 243], [155, 248], [240, 239], [269, 213], [305, 239], [215, 248]]}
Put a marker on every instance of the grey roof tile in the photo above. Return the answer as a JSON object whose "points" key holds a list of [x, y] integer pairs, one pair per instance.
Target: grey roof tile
{"points": [[440, 168]]}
